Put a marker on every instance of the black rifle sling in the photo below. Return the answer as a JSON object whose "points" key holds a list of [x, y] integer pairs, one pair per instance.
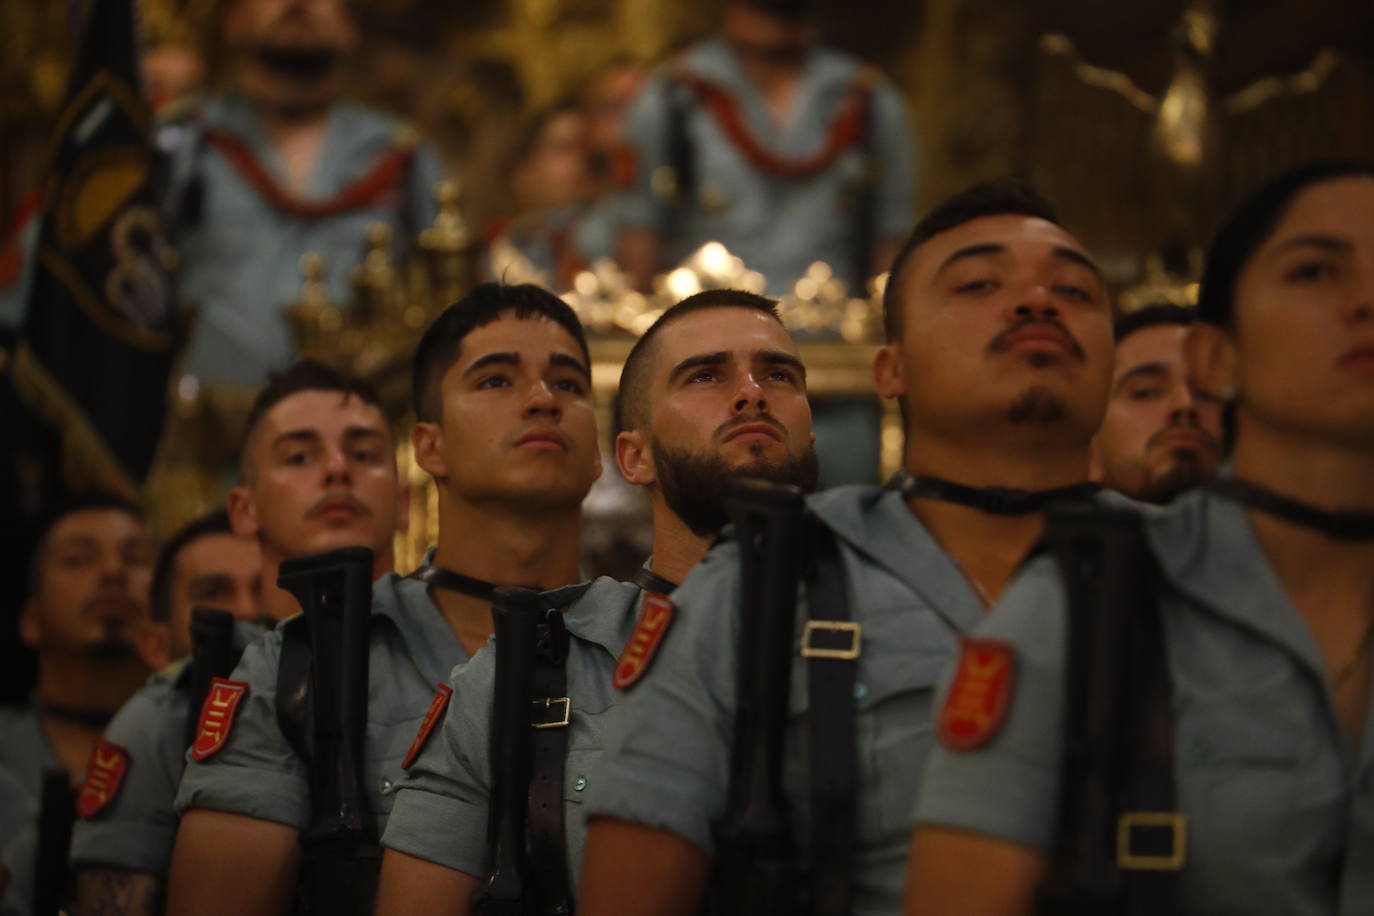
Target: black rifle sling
{"points": [[293, 688], [548, 750], [1155, 845], [830, 644]]}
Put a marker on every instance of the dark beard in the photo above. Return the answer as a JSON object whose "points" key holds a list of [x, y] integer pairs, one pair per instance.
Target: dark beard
{"points": [[1185, 474], [694, 485], [300, 63], [1036, 405], [112, 648]]}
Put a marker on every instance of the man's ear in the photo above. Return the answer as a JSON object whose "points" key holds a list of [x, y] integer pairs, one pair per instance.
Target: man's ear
{"points": [[1210, 353], [153, 640], [887, 371], [427, 442], [243, 512], [634, 456]]}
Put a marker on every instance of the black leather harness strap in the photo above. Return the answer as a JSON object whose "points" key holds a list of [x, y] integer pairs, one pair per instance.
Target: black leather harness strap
{"points": [[454, 582], [550, 714], [1344, 525], [993, 500], [650, 581], [831, 644]]}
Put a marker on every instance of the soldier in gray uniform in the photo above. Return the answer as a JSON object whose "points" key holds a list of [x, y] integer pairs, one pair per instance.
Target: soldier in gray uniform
{"points": [[275, 169], [506, 427], [715, 389], [88, 597], [786, 151], [122, 842], [999, 348], [317, 473], [1263, 588]]}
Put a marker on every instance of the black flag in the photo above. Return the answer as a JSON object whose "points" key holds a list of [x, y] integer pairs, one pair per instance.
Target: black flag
{"points": [[97, 344]]}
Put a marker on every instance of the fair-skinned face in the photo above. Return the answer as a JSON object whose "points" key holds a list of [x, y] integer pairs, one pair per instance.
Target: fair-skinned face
{"points": [[1300, 353], [291, 23], [320, 474], [1158, 423], [557, 171], [518, 430], [726, 382], [222, 571], [1000, 311], [91, 584]]}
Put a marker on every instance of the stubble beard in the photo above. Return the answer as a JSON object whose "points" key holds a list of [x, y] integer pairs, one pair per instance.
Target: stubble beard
{"points": [[1038, 406], [1185, 471], [695, 484]]}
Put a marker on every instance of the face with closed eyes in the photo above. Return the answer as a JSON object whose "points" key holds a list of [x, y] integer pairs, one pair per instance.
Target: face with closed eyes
{"points": [[517, 429], [1004, 319]]}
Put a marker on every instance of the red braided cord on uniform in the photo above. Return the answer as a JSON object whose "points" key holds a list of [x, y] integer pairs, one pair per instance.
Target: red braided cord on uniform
{"points": [[844, 129], [381, 176]]}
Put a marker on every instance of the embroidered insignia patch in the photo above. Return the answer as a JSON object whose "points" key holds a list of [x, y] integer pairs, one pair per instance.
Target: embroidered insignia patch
{"points": [[217, 717], [104, 773], [977, 699], [435, 713], [644, 642]]}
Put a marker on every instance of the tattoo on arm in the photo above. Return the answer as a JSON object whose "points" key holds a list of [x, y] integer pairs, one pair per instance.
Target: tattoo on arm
{"points": [[117, 892]]}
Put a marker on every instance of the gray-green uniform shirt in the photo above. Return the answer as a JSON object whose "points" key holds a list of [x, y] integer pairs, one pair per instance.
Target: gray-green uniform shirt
{"points": [[670, 770], [137, 827], [24, 750], [441, 805], [1280, 805], [256, 773]]}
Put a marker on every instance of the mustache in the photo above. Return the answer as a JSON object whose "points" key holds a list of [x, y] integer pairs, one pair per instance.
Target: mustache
{"points": [[1002, 342], [331, 498], [1187, 423], [725, 428]]}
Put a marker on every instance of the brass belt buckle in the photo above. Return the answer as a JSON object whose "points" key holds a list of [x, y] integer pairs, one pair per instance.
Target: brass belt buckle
{"points": [[854, 630], [1176, 823], [548, 703]]}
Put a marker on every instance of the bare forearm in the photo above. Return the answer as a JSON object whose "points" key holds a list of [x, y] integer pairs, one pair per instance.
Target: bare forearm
{"points": [[957, 873], [230, 864], [629, 870], [411, 885], [117, 892]]}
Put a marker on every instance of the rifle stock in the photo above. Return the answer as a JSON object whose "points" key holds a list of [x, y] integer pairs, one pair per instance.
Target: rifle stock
{"points": [[508, 889], [56, 813], [756, 869], [341, 857], [212, 656]]}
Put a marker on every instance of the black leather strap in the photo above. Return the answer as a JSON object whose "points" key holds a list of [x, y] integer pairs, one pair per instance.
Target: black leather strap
{"points": [[1342, 525], [293, 688], [651, 581], [993, 500], [454, 582], [551, 712], [831, 646]]}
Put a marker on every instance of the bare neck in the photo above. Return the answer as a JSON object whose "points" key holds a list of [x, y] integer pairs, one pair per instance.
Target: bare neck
{"points": [[989, 548], [676, 548], [505, 548], [80, 682], [1328, 477]]}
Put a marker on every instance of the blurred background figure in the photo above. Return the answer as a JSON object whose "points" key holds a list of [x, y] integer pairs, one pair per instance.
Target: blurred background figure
{"points": [[88, 597], [785, 151], [276, 167], [1161, 435]]}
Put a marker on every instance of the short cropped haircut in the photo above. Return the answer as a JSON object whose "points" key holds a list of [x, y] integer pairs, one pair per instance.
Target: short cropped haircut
{"points": [[1002, 196], [631, 405], [87, 501], [1249, 227], [305, 375], [1150, 316], [160, 593], [439, 348]]}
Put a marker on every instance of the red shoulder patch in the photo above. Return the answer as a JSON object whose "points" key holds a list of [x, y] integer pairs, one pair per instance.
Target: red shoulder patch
{"points": [[217, 717], [977, 699], [436, 711], [644, 642], [104, 774]]}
